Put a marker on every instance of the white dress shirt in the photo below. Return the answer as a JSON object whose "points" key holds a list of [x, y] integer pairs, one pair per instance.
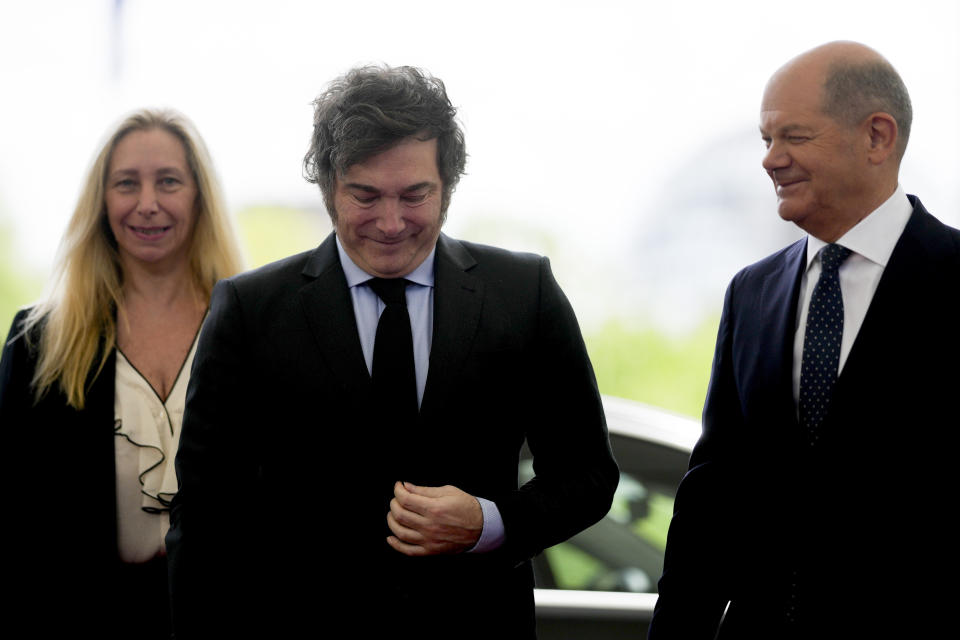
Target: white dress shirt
{"points": [[871, 241]]}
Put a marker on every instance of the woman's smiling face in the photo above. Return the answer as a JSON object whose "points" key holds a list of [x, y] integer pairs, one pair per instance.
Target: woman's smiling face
{"points": [[151, 199]]}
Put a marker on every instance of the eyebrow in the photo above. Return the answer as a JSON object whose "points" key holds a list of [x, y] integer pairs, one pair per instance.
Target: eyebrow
{"points": [[370, 189], [161, 170], [787, 129]]}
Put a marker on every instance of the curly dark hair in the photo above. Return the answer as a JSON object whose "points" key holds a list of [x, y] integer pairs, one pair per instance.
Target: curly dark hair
{"points": [[369, 110]]}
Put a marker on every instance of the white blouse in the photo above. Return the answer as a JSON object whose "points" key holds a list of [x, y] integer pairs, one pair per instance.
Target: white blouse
{"points": [[147, 432]]}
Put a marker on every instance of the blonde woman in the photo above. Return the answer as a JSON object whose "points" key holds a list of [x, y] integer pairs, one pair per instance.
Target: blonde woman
{"points": [[93, 382]]}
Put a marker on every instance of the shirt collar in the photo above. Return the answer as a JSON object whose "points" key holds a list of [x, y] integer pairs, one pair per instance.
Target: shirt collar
{"points": [[422, 275], [876, 235]]}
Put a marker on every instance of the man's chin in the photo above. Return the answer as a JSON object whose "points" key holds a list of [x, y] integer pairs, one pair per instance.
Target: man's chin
{"points": [[393, 267], [789, 211]]}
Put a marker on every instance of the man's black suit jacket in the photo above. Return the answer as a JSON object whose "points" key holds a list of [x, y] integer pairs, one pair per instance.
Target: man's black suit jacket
{"points": [[846, 538], [285, 474]]}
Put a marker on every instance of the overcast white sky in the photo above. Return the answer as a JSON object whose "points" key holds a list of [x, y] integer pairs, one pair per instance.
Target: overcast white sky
{"points": [[577, 114]]}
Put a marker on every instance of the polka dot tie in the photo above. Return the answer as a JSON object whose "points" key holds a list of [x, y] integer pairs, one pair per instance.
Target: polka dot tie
{"points": [[821, 343]]}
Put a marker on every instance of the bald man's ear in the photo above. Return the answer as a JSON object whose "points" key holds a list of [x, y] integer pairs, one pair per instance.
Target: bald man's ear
{"points": [[883, 134]]}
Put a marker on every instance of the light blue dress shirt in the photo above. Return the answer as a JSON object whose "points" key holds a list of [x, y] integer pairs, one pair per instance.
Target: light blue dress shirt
{"points": [[367, 307]]}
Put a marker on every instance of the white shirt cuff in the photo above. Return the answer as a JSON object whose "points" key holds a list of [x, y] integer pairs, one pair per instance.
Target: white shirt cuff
{"points": [[493, 534]]}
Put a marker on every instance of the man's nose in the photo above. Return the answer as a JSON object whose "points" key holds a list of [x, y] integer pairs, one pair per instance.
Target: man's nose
{"points": [[390, 221], [775, 158]]}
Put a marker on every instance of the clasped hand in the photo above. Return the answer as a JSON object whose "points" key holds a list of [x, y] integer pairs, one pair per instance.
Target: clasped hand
{"points": [[433, 520]]}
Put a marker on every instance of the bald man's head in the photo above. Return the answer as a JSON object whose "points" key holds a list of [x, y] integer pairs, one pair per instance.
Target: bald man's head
{"points": [[835, 122], [855, 81]]}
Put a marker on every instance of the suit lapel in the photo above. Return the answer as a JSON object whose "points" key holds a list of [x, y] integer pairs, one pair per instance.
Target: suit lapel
{"points": [[98, 434], [894, 302], [457, 300], [329, 311], [778, 312]]}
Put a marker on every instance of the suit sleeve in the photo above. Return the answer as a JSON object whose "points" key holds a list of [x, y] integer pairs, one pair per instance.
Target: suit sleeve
{"points": [[213, 559], [575, 473], [16, 372], [692, 594]]}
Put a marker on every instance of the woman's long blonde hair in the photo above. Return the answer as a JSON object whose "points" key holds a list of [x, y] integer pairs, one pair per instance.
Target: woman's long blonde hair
{"points": [[86, 291]]}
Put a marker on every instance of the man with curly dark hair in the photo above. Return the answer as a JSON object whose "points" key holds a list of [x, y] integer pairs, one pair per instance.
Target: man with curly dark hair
{"points": [[352, 432]]}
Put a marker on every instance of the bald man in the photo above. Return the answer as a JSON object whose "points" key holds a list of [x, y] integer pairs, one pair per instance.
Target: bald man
{"points": [[816, 499]]}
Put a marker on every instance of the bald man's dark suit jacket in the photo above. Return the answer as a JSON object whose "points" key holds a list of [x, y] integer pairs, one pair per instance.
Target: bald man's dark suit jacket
{"points": [[847, 538], [285, 474]]}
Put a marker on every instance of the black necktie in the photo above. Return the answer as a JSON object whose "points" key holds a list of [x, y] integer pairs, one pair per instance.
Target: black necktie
{"points": [[394, 374], [821, 342]]}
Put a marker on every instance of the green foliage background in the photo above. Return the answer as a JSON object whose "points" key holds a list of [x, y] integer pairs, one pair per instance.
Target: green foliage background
{"points": [[632, 358], [18, 285], [635, 360]]}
